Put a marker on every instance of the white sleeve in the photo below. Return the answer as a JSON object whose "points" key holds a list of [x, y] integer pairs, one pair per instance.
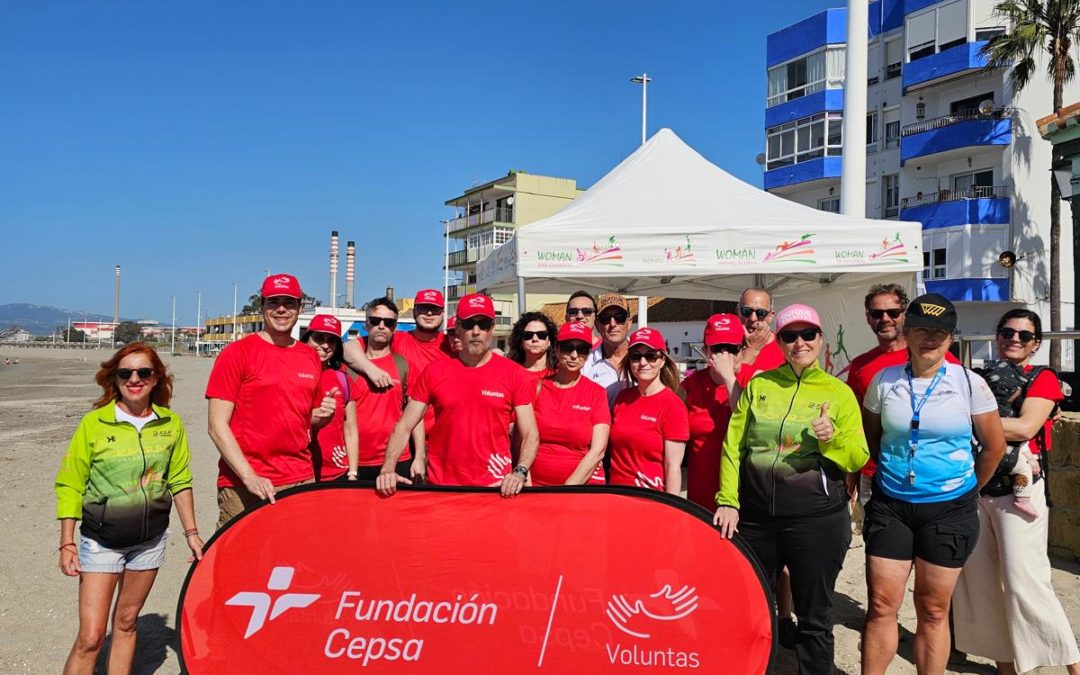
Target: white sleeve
{"points": [[872, 400], [982, 399]]}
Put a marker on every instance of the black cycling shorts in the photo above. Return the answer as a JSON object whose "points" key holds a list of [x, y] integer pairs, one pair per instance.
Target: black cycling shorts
{"points": [[941, 533], [370, 473]]}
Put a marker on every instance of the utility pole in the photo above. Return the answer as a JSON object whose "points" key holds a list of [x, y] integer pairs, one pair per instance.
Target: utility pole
{"points": [[853, 160], [233, 313], [172, 348], [198, 319], [644, 80]]}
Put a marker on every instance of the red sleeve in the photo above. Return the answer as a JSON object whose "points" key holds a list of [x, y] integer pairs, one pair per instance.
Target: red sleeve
{"points": [[522, 386], [422, 391], [227, 374], [600, 412], [746, 371], [949, 358], [1046, 386], [675, 423], [412, 379]]}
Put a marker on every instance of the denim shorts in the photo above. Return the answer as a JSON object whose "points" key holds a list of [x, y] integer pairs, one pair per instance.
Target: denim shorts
{"points": [[148, 555]]}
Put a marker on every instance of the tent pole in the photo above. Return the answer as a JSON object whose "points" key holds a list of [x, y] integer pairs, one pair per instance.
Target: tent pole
{"points": [[642, 311], [521, 295]]}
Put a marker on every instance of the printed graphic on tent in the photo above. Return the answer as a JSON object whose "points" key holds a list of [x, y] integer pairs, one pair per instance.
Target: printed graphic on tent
{"points": [[557, 580], [794, 251], [680, 255], [891, 250], [598, 254]]}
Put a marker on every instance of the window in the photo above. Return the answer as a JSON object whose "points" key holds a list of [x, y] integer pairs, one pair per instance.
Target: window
{"points": [[969, 106], [892, 134], [871, 132], [974, 184], [802, 140], [890, 194], [892, 71], [987, 34], [873, 67], [934, 264], [806, 75], [503, 235], [894, 55], [830, 204], [937, 29]]}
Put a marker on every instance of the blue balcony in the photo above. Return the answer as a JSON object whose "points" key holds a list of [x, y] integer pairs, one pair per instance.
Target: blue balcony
{"points": [[814, 169], [952, 132], [949, 63], [825, 28], [971, 290], [976, 205], [825, 100]]}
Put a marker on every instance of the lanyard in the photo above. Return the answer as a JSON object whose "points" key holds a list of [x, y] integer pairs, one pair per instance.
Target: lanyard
{"points": [[917, 403]]}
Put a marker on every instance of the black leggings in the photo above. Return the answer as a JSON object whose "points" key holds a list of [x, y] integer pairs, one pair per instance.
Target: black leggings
{"points": [[813, 550]]}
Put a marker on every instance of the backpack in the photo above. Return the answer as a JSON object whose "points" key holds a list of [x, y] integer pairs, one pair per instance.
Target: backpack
{"points": [[402, 365]]}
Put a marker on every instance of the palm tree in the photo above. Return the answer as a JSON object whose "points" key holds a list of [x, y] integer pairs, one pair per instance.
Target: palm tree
{"points": [[1040, 29]]}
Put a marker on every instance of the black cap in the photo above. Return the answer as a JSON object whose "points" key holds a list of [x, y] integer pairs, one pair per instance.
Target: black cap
{"points": [[931, 311]]}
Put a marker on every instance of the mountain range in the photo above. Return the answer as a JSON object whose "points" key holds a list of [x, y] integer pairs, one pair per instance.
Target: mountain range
{"points": [[42, 319]]}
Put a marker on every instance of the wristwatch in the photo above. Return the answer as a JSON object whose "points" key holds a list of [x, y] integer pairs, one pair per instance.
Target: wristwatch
{"points": [[522, 471]]}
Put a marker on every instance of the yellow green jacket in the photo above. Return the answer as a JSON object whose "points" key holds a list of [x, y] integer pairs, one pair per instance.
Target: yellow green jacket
{"points": [[772, 462], [120, 481]]}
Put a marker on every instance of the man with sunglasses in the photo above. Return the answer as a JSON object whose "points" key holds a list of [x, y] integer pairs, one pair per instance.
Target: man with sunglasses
{"points": [[264, 400], [379, 408], [761, 352], [606, 361], [473, 396], [581, 307]]}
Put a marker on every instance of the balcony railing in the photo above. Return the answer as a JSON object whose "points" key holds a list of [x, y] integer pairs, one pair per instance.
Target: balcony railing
{"points": [[973, 192], [955, 118], [497, 215], [470, 255]]}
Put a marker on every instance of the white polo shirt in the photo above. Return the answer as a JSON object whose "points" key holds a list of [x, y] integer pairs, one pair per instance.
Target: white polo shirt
{"points": [[599, 370]]}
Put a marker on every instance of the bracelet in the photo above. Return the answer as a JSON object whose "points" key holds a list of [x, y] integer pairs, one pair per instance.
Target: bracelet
{"points": [[192, 531], [63, 546]]}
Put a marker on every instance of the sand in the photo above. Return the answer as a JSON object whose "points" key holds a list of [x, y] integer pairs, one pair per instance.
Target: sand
{"points": [[41, 401]]}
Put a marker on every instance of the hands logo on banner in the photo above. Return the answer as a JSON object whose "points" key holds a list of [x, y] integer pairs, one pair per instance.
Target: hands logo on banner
{"points": [[641, 480], [666, 605], [498, 466], [280, 580]]}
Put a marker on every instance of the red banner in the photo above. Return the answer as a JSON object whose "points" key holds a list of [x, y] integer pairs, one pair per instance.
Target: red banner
{"points": [[335, 579]]}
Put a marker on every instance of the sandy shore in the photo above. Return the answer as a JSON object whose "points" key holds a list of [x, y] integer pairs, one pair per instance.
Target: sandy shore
{"points": [[41, 401]]}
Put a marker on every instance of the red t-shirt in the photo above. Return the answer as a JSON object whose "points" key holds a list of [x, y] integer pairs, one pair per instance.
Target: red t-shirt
{"points": [[768, 358], [1046, 386], [328, 444], [470, 445], [641, 425], [420, 355], [565, 418], [862, 370], [378, 410], [274, 389], [709, 410]]}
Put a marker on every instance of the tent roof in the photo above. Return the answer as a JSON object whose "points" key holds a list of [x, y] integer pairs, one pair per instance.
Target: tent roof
{"points": [[667, 218]]}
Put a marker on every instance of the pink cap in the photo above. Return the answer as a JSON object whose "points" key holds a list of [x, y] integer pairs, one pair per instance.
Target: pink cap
{"points": [[324, 323], [575, 330], [429, 296], [281, 284], [475, 304], [724, 329], [797, 314], [650, 337]]}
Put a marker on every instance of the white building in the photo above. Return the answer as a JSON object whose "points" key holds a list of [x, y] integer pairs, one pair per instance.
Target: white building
{"points": [[948, 144]]}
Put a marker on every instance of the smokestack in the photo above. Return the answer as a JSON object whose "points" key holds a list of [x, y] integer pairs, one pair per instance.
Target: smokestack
{"points": [[390, 292], [350, 272], [116, 300], [333, 268]]}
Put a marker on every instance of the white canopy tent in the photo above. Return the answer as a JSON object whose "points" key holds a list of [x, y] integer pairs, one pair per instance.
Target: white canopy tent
{"points": [[668, 222]]}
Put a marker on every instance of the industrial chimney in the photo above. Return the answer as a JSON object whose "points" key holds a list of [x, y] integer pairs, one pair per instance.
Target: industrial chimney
{"points": [[116, 303], [350, 272], [390, 292], [333, 269]]}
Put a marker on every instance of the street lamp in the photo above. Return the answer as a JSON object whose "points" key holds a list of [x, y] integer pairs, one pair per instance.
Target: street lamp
{"points": [[644, 80]]}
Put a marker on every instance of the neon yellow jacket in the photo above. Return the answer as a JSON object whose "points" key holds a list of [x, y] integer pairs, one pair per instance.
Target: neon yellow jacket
{"points": [[120, 481], [772, 462]]}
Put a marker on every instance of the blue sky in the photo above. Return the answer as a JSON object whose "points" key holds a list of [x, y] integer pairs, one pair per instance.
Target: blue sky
{"points": [[199, 143]]}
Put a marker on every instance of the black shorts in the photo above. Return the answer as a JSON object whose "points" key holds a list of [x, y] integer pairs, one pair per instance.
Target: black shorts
{"points": [[941, 533], [370, 473]]}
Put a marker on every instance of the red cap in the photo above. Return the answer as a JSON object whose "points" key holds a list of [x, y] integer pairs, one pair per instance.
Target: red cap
{"points": [[429, 296], [575, 330], [324, 323], [797, 314], [724, 329], [475, 304], [451, 323], [650, 337], [281, 284]]}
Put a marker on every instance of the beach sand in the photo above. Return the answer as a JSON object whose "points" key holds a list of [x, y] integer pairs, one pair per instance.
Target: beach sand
{"points": [[41, 401]]}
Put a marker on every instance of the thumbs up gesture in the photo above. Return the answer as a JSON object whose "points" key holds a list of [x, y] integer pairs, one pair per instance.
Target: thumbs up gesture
{"points": [[327, 405], [822, 426]]}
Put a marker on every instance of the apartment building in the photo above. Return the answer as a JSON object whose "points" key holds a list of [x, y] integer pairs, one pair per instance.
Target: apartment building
{"points": [[948, 144]]}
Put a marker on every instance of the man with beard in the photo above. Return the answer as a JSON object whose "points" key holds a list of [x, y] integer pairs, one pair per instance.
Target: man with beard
{"points": [[605, 363], [473, 396]]}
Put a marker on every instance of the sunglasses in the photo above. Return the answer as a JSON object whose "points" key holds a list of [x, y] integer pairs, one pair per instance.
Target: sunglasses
{"points": [[124, 374], [761, 312], [651, 357], [790, 336], [322, 338], [428, 309], [527, 335], [278, 301], [389, 322], [620, 316], [726, 349], [485, 323], [877, 314], [1009, 333], [583, 311], [578, 348]]}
